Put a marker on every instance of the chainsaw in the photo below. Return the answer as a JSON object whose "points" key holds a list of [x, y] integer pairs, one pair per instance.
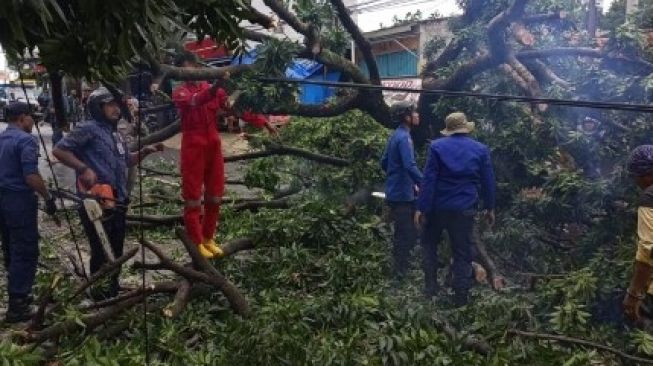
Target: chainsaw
{"points": [[102, 199]]}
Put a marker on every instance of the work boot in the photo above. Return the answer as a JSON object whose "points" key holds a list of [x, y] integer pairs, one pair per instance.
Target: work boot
{"points": [[205, 252], [19, 310], [212, 247]]}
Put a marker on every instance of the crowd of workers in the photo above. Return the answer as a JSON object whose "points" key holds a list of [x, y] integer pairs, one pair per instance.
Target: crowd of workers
{"points": [[444, 198], [457, 178], [457, 181]]}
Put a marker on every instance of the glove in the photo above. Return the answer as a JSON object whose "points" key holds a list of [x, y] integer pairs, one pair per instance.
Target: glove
{"points": [[50, 206]]}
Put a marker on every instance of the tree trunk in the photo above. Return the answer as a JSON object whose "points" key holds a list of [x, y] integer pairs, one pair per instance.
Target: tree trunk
{"points": [[592, 18], [56, 80]]}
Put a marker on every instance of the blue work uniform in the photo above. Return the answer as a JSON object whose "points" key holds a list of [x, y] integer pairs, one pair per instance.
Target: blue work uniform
{"points": [[19, 153], [398, 162], [100, 147], [457, 168]]}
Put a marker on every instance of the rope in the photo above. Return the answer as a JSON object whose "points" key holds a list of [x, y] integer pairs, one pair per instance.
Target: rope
{"points": [[55, 181], [646, 108], [141, 214]]}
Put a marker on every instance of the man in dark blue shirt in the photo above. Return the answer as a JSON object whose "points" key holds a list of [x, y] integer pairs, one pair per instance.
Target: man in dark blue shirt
{"points": [[19, 179], [403, 178], [100, 156], [456, 167]]}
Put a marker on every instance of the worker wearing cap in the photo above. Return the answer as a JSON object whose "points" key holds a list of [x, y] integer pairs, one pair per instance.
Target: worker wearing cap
{"points": [[640, 167], [100, 158], [403, 177], [19, 180], [456, 166]]}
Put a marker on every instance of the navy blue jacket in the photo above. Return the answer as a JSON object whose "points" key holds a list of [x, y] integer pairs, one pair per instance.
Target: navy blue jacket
{"points": [[398, 162], [19, 157], [456, 167], [100, 146]]}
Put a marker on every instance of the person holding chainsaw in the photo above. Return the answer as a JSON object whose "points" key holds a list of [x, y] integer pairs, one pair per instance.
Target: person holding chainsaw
{"points": [[100, 157], [403, 178], [19, 180]]}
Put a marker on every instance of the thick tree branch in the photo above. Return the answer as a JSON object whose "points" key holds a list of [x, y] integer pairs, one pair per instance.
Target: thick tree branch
{"points": [[644, 66], [256, 36], [254, 16], [181, 300], [542, 18], [255, 205], [340, 106], [88, 322], [162, 287], [581, 342], [544, 73], [337, 62], [287, 16], [164, 220], [214, 278], [159, 136], [106, 270], [203, 73], [359, 39], [273, 150], [449, 54], [496, 30], [234, 246]]}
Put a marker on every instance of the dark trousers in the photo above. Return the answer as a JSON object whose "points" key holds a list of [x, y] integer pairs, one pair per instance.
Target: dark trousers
{"points": [[459, 226], [405, 236], [20, 239], [115, 225]]}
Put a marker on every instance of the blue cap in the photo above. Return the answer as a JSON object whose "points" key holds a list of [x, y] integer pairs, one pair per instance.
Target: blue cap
{"points": [[15, 109]]}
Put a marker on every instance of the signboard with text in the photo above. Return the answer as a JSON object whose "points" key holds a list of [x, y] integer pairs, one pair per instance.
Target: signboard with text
{"points": [[392, 97]]}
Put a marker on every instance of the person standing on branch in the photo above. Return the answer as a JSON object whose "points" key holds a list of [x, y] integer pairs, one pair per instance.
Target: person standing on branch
{"points": [[455, 167], [640, 166], [100, 157], [19, 180], [202, 164], [403, 178]]}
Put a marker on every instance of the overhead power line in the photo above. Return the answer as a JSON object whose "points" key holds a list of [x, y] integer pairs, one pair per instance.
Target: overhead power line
{"points": [[645, 108], [395, 4], [380, 4]]}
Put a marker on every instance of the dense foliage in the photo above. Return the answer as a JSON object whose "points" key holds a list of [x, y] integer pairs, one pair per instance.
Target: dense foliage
{"points": [[318, 282]]}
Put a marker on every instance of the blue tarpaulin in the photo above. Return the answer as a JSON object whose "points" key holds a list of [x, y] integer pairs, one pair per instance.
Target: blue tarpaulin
{"points": [[302, 69]]}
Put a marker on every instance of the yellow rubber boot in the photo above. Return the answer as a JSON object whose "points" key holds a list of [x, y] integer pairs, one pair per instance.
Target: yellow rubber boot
{"points": [[211, 246], [205, 252]]}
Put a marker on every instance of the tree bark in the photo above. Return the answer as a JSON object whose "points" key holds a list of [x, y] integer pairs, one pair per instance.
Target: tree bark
{"points": [[56, 81], [359, 40], [287, 150]]}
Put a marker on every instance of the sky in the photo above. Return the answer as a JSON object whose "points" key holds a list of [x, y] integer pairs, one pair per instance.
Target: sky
{"points": [[371, 20]]}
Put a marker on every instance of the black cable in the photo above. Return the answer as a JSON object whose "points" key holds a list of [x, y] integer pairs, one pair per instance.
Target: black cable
{"points": [[55, 181], [141, 213], [645, 108]]}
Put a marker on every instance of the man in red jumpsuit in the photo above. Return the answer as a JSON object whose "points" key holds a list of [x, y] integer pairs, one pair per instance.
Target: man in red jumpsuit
{"points": [[202, 164]]}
